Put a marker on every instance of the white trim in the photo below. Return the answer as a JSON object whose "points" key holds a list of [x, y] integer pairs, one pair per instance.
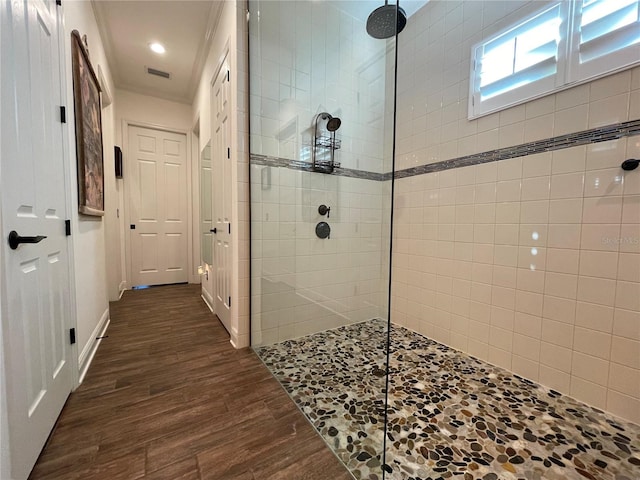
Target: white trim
{"points": [[90, 349], [208, 300], [70, 175], [122, 288]]}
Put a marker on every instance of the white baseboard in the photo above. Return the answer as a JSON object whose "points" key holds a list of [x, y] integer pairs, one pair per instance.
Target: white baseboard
{"points": [[90, 349], [122, 287], [208, 299]]}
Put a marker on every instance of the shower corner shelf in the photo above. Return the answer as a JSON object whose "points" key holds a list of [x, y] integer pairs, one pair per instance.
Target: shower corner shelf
{"points": [[326, 141]]}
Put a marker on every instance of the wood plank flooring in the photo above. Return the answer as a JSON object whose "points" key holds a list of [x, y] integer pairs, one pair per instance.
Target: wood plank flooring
{"points": [[168, 397]]}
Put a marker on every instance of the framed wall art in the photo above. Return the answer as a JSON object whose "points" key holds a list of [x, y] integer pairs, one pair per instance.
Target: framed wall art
{"points": [[86, 92]]}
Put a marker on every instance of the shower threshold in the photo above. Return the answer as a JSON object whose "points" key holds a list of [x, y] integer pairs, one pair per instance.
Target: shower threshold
{"points": [[450, 415]]}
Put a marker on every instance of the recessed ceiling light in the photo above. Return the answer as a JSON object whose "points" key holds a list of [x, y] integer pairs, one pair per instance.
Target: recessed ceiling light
{"points": [[157, 47]]}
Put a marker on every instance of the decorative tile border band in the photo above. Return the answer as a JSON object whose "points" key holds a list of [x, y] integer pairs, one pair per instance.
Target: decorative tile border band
{"points": [[306, 167], [595, 135]]}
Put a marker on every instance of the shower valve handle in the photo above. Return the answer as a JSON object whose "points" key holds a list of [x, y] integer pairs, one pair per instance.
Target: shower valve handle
{"points": [[324, 210]]}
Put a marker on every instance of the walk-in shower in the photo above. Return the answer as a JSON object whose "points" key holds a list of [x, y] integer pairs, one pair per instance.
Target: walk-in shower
{"points": [[463, 342]]}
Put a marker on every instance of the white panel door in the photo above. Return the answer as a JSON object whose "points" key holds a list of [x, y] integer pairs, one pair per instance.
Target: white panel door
{"points": [[156, 176], [222, 184], [35, 295]]}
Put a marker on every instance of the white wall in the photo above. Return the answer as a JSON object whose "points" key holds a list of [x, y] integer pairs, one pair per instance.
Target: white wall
{"points": [[146, 110], [531, 263], [230, 33], [88, 233]]}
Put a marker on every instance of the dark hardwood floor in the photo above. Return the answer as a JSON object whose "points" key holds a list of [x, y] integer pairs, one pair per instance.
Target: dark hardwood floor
{"points": [[167, 397]]}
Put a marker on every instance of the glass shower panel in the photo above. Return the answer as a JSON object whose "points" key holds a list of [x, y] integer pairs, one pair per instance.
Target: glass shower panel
{"points": [[321, 133]]}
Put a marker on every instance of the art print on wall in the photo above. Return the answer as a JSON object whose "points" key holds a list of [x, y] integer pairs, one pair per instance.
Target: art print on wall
{"points": [[86, 92]]}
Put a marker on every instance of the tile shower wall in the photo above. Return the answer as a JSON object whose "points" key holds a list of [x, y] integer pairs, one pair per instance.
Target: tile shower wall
{"points": [[531, 263], [322, 60], [310, 57], [303, 284]]}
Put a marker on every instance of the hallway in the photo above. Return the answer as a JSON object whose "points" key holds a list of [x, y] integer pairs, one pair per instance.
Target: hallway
{"points": [[167, 397]]}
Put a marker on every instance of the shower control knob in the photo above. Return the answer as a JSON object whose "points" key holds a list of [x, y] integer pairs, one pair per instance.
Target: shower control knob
{"points": [[324, 210], [323, 230]]}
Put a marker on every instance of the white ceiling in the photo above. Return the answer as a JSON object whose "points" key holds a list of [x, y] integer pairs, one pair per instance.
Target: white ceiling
{"points": [[182, 26]]}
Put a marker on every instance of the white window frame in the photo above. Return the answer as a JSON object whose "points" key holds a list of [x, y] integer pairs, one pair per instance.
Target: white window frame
{"points": [[569, 73]]}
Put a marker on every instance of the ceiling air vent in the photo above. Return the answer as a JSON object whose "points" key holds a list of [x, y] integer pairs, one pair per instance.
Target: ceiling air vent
{"points": [[158, 73]]}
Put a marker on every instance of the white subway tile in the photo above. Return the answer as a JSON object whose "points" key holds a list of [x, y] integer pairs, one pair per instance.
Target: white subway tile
{"points": [[534, 211], [528, 303], [526, 347], [500, 338], [626, 323], [600, 183], [609, 110], [525, 367], [588, 367], [557, 333], [631, 209], [556, 356], [554, 379], [510, 169], [573, 96], [627, 295], [624, 406], [562, 260], [592, 342], [536, 165], [569, 160], [560, 285], [602, 210], [570, 120], [565, 211], [597, 290], [595, 263], [629, 239], [509, 212], [508, 191], [487, 172], [499, 357], [506, 255], [533, 258], [559, 309], [605, 154], [624, 379], [568, 185], [588, 392], [625, 352], [530, 280], [610, 85], [600, 237], [595, 317]]}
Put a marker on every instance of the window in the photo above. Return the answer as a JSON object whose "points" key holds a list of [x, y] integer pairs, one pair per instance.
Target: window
{"points": [[566, 43], [607, 36]]}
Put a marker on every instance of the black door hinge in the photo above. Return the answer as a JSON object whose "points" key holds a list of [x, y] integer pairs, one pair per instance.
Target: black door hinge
{"points": [[58, 2], [229, 228], [229, 301], [72, 336], [228, 152], [67, 228], [228, 75], [63, 114]]}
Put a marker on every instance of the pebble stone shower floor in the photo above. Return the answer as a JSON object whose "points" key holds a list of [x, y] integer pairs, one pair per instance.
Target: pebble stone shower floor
{"points": [[450, 415]]}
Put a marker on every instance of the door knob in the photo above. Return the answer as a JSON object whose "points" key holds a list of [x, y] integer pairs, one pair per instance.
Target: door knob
{"points": [[214, 230], [15, 239]]}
